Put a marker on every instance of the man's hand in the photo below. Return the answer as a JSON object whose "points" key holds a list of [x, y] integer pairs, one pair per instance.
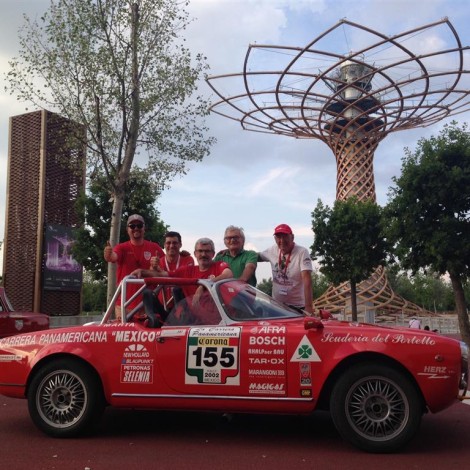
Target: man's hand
{"points": [[197, 296], [137, 273], [155, 262], [108, 252]]}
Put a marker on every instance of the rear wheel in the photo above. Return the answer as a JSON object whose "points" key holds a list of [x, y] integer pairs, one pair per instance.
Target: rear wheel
{"points": [[65, 398], [376, 408]]}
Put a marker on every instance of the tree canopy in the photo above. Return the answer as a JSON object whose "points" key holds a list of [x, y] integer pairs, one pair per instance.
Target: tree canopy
{"points": [[95, 207], [429, 211], [120, 69], [348, 242]]}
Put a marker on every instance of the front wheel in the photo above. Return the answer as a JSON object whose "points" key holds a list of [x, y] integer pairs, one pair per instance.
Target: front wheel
{"points": [[376, 408], [65, 398]]}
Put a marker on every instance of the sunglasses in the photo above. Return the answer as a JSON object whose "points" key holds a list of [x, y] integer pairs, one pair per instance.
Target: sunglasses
{"points": [[133, 226]]}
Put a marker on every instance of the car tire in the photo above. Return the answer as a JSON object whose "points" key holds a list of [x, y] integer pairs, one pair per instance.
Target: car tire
{"points": [[376, 408], [65, 398]]}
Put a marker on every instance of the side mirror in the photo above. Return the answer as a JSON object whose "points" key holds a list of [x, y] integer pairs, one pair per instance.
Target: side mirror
{"points": [[313, 323]]}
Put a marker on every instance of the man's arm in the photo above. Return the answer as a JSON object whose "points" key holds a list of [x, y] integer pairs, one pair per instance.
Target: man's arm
{"points": [[140, 273], [308, 291], [250, 265], [248, 272], [225, 274]]}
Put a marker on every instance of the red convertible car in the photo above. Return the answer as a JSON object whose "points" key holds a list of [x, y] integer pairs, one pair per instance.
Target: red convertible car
{"points": [[13, 322], [227, 347]]}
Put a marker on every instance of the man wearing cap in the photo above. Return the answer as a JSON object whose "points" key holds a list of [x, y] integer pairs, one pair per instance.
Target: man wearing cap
{"points": [[291, 270], [133, 254]]}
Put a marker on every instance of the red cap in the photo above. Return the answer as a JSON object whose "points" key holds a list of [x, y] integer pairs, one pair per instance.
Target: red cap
{"points": [[283, 228]]}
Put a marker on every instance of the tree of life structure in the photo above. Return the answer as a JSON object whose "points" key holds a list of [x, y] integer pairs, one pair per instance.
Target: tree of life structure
{"points": [[351, 101]]}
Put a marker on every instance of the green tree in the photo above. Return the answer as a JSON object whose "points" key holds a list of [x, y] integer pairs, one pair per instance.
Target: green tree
{"points": [[95, 208], [428, 211], [266, 286], [348, 242], [320, 283], [93, 295], [429, 290], [121, 70]]}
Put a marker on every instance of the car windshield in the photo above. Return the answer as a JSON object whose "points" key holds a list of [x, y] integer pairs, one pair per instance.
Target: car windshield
{"points": [[242, 302]]}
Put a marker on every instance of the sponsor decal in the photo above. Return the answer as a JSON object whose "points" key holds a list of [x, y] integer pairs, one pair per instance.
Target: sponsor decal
{"points": [[305, 352], [23, 340], [10, 357], [267, 359], [132, 336], [266, 352], [137, 374], [229, 331], [264, 360], [267, 340], [435, 372], [136, 365], [306, 393], [172, 332], [268, 330], [54, 338], [305, 374], [74, 337], [266, 372], [391, 338], [267, 388], [212, 356]]}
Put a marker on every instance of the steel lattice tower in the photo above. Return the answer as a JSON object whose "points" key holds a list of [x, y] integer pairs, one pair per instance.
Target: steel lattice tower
{"points": [[351, 101]]}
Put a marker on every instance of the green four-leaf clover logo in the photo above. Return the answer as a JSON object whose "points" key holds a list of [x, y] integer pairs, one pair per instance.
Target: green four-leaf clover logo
{"points": [[305, 351]]}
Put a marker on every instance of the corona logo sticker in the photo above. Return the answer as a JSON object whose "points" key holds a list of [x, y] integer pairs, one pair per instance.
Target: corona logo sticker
{"points": [[305, 352]]}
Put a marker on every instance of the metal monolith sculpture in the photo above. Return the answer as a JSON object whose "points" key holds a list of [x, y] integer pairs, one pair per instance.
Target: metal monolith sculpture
{"points": [[350, 87]]}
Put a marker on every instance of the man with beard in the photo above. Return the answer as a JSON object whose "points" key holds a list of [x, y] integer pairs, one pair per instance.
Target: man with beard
{"points": [[131, 255]]}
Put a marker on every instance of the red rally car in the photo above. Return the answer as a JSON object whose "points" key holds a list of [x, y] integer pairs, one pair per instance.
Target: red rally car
{"points": [[229, 348], [13, 322]]}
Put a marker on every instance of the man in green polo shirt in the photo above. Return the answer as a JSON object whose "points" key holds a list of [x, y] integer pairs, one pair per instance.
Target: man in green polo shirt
{"points": [[242, 262]]}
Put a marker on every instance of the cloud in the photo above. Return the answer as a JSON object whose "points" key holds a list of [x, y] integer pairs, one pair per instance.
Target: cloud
{"points": [[251, 179], [275, 175]]}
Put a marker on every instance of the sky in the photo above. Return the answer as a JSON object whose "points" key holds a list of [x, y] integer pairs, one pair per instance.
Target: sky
{"points": [[254, 180]]}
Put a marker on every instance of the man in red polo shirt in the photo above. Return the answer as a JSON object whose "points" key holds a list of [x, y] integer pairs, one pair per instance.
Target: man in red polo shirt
{"points": [[174, 259], [131, 255]]}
